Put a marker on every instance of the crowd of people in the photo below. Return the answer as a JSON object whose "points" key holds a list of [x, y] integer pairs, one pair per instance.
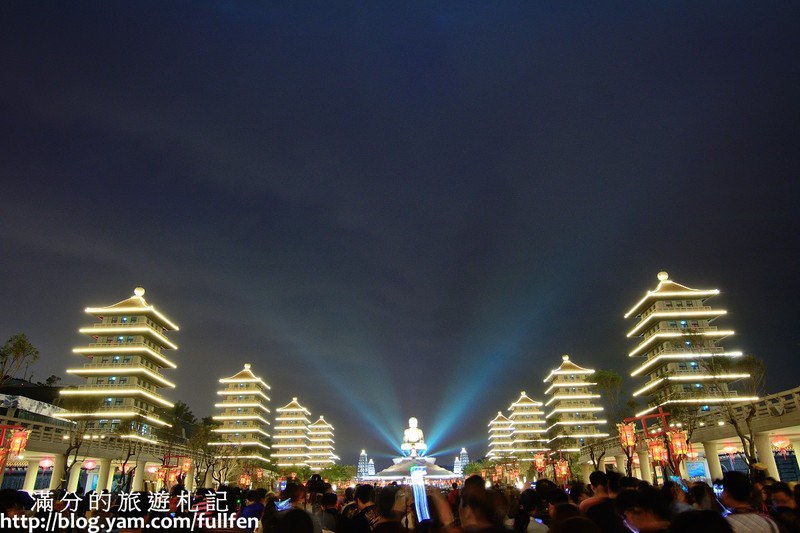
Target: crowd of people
{"points": [[610, 503]]}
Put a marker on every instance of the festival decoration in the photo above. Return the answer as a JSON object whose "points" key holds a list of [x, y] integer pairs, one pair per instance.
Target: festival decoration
{"points": [[627, 435], [782, 443], [540, 462], [658, 453]]}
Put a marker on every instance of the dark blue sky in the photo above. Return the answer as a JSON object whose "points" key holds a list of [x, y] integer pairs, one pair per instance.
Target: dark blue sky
{"points": [[397, 210]]}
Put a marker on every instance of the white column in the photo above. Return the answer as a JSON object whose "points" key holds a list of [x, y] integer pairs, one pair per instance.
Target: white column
{"points": [[189, 482], [621, 463], [138, 476], [102, 474], [74, 475], [110, 483], [765, 455], [644, 466], [712, 458], [586, 471], [58, 470], [30, 475]]}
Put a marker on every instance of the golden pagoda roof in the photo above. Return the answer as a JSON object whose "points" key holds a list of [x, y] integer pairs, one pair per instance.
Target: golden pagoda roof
{"points": [[567, 367], [136, 304], [245, 375], [294, 405], [668, 289]]}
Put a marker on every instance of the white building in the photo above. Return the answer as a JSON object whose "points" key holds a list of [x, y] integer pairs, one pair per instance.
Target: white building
{"points": [[290, 443], [501, 443], [528, 427], [244, 433], [124, 372], [679, 350], [362, 469], [321, 446], [572, 415]]}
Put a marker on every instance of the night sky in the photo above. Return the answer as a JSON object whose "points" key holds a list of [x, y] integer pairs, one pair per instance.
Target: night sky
{"points": [[396, 210]]}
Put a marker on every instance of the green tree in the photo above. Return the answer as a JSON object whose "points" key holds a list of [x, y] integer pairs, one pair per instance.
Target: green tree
{"points": [[17, 351], [339, 473], [77, 434], [609, 385]]}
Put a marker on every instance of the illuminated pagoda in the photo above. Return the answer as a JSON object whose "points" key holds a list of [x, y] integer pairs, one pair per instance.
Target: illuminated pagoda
{"points": [[501, 443], [124, 368], [679, 348], [244, 433], [463, 458], [371, 468], [572, 413], [528, 435], [361, 469], [457, 468], [320, 447], [290, 442]]}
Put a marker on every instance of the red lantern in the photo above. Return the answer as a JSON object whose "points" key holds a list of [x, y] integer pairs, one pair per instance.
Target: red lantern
{"points": [[677, 443], [186, 465], [562, 470], [46, 463], [658, 453], [18, 441], [781, 443], [259, 474], [244, 480], [89, 464], [540, 462], [173, 477], [627, 435]]}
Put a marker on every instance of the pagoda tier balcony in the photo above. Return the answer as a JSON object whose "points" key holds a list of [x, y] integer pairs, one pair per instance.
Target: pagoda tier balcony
{"points": [[146, 349], [690, 376], [668, 314], [122, 369], [118, 391], [121, 412], [672, 334], [658, 360], [103, 329]]}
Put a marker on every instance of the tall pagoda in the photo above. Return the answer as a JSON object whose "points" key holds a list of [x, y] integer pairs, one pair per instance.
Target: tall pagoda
{"points": [[501, 443], [572, 413], [244, 433], [290, 442], [123, 374], [679, 350], [529, 430], [320, 447]]}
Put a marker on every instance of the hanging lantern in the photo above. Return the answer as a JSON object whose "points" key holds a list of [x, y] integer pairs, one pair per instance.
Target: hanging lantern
{"points": [[162, 473], [677, 443], [186, 465], [658, 453], [173, 477], [540, 462], [18, 441], [627, 435], [46, 463], [782, 443], [244, 480], [260, 474], [89, 464], [562, 469]]}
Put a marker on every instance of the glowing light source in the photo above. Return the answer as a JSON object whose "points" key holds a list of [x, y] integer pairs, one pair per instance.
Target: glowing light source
{"points": [[46, 463], [627, 435], [658, 453], [89, 464]]}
